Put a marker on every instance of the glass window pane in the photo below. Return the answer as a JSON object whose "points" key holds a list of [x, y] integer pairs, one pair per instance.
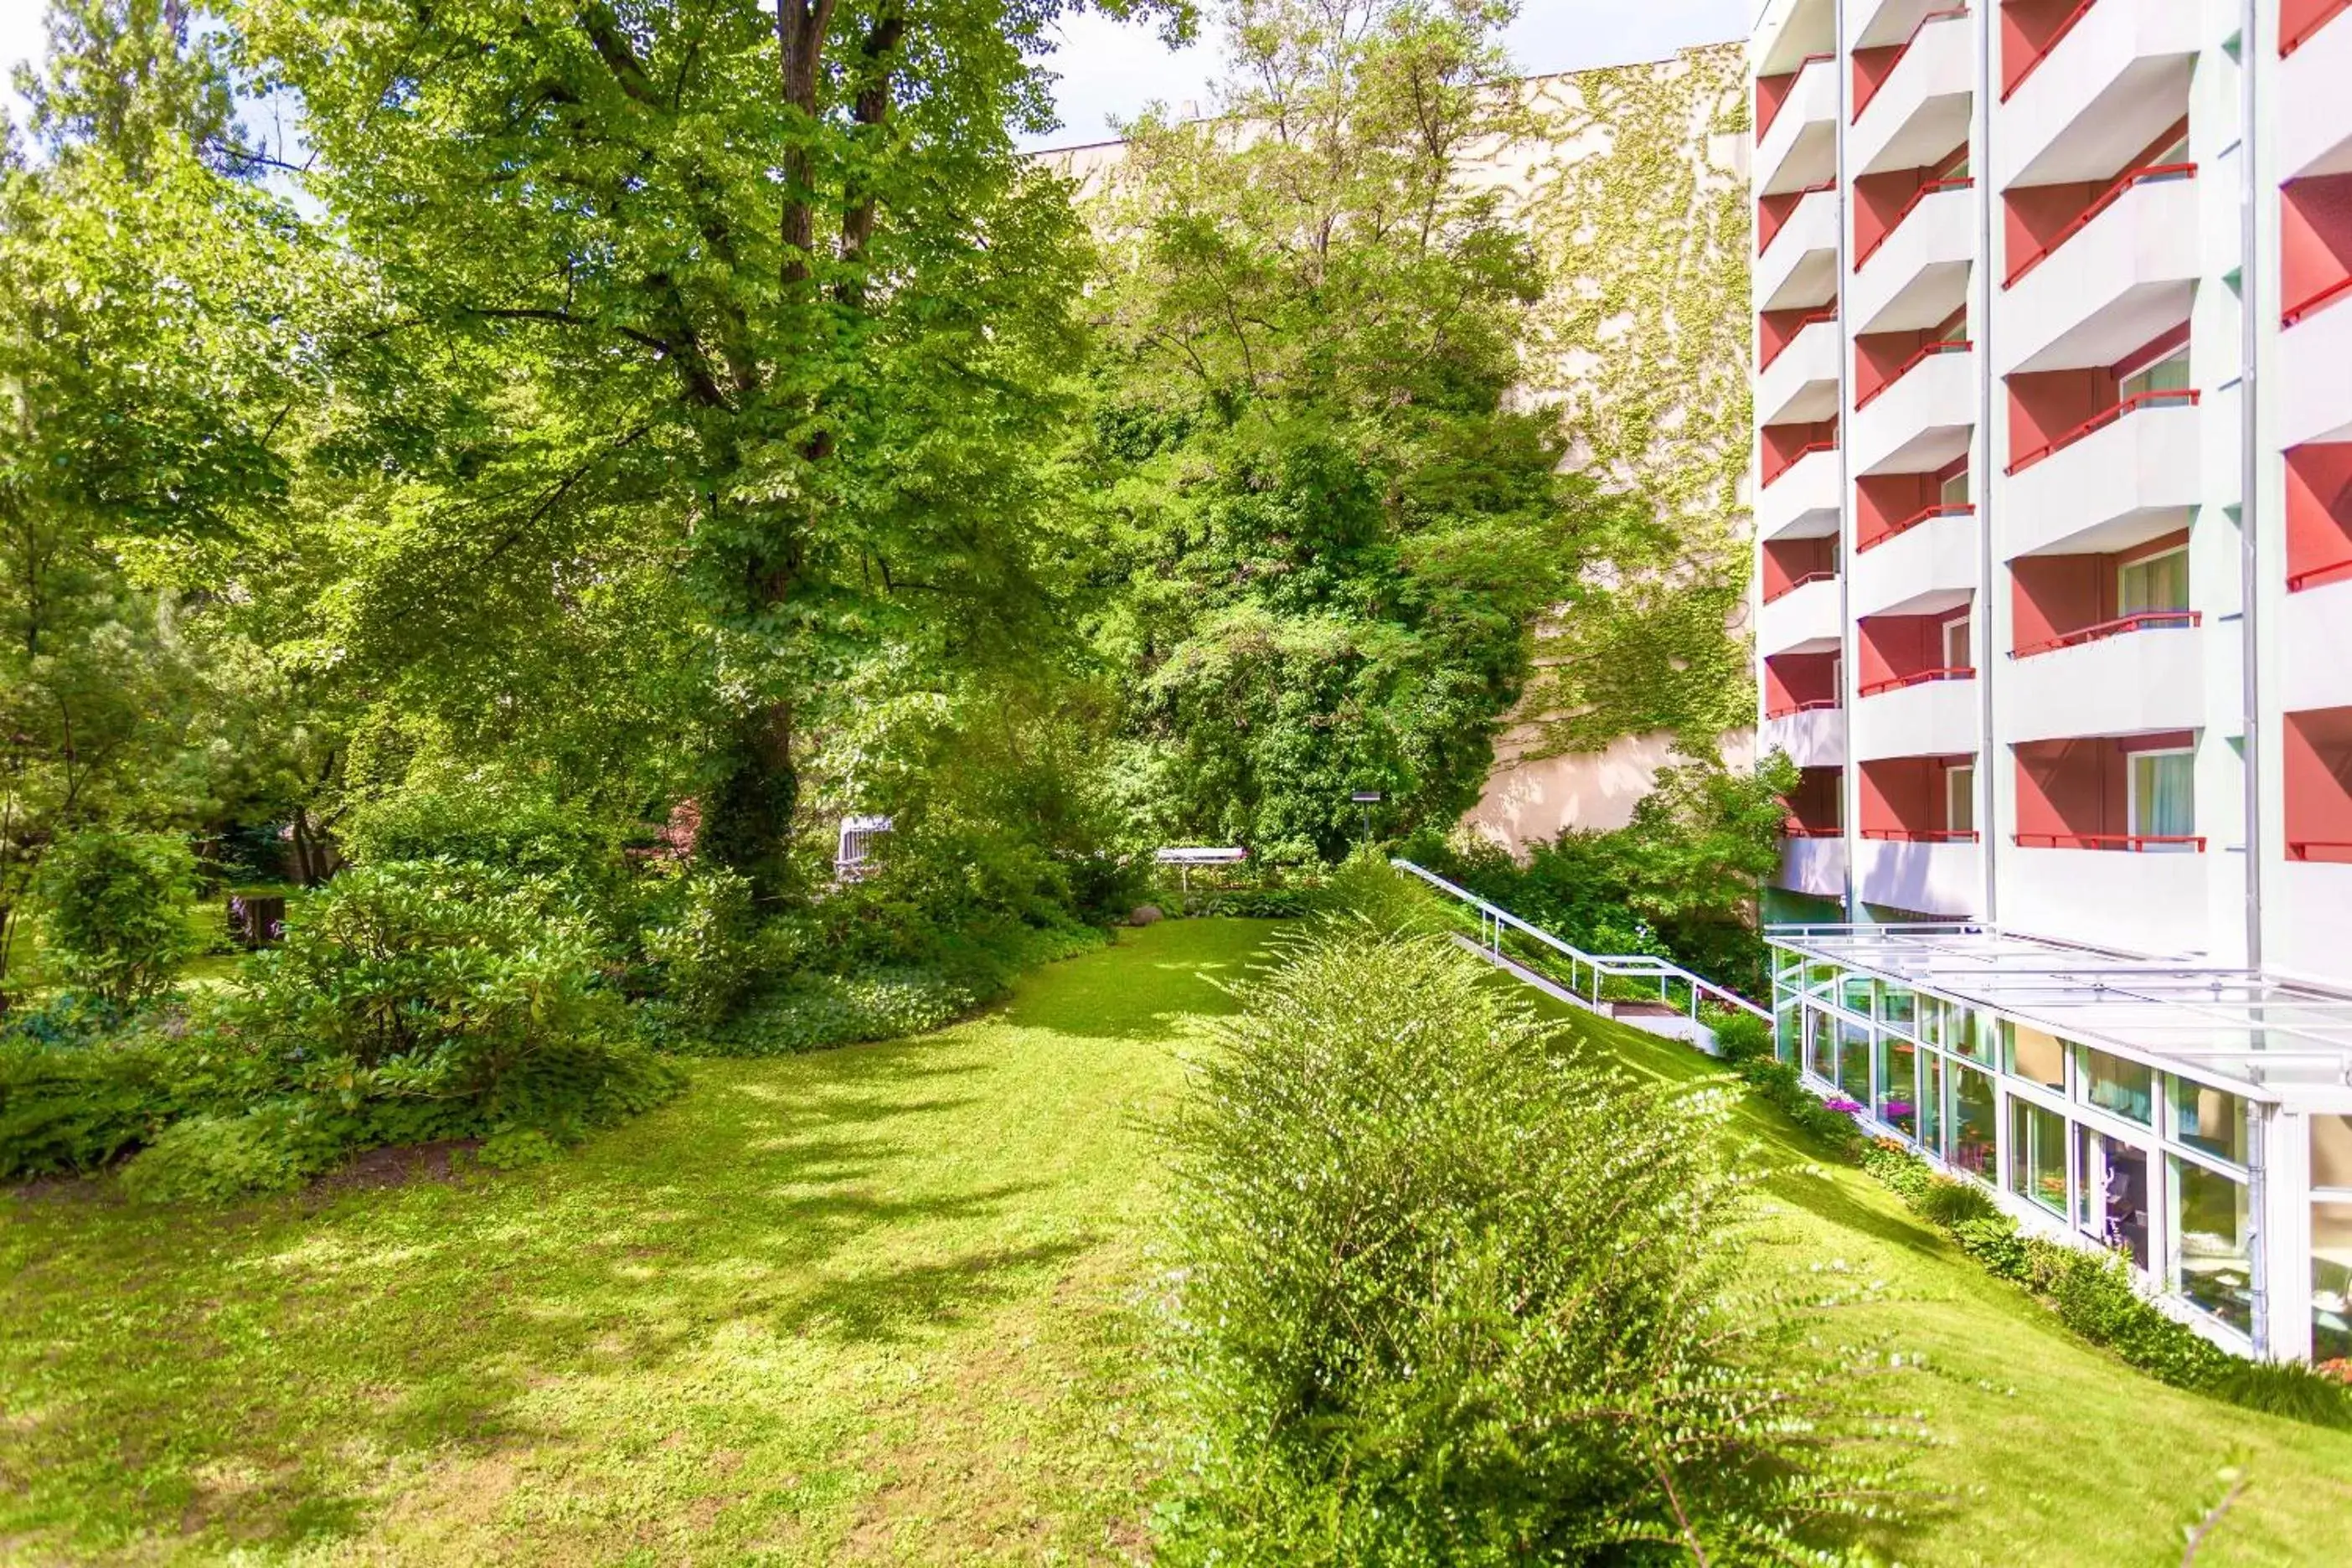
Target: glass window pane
{"points": [[1821, 978], [1898, 1087], [1788, 1030], [2163, 798], [1898, 1007], [1973, 1127], [2120, 1088], [2331, 1281], [2212, 1120], [1856, 994], [2037, 1155], [2033, 1055], [1973, 1034], [2114, 1207], [2212, 1243], [1853, 1062], [2331, 1150], [1821, 1045], [1931, 1102]]}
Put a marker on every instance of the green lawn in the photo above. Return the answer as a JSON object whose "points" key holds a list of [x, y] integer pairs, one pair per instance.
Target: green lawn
{"points": [[878, 1303]]}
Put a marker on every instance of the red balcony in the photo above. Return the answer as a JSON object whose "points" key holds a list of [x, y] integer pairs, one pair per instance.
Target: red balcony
{"points": [[2137, 843], [1924, 515], [2030, 30], [1815, 806], [2122, 626], [2128, 794], [1775, 330], [1868, 249], [1773, 213], [1799, 683], [1785, 445], [2299, 21], [2148, 174], [1921, 836], [2314, 245], [1871, 67], [2101, 420], [1920, 357], [1919, 800], [2318, 515], [1918, 678], [1772, 91], [2317, 755]]}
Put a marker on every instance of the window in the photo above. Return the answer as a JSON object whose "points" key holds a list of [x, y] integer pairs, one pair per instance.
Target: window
{"points": [[2169, 373], [1960, 797], [1899, 1007], [1821, 1045], [1973, 1128], [1956, 643], [2163, 803], [1898, 1091], [2033, 1055], [2037, 1155], [1931, 1102], [1953, 491], [2158, 583], [2212, 1259], [2114, 1206], [2331, 1281], [1853, 1062], [1975, 1036], [2117, 1087], [2214, 1120], [1856, 995], [2331, 1152], [1788, 1028]]}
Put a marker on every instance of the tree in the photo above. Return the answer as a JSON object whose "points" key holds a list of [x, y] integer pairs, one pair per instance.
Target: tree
{"points": [[766, 285], [1324, 531], [131, 77]]}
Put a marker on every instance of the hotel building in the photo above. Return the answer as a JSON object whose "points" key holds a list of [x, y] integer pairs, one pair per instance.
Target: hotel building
{"points": [[2053, 388]]}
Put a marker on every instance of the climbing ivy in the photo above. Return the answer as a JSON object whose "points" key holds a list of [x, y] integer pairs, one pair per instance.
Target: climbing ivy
{"points": [[1640, 212]]}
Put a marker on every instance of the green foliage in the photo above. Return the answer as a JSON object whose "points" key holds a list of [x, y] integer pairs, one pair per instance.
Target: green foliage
{"points": [[219, 1159], [115, 913], [1451, 1292], [1322, 537], [1678, 880], [701, 948], [1262, 903], [481, 820], [75, 1105]]}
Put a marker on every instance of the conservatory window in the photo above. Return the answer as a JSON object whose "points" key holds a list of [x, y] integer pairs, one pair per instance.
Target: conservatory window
{"points": [[2331, 1281], [2035, 1055], [2114, 1193], [1854, 1061], [2211, 1120], [2037, 1154], [1898, 1103], [2119, 1088], [2212, 1229], [1974, 1124]]}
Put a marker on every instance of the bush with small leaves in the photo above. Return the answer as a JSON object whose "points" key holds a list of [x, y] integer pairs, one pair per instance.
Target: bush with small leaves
{"points": [[114, 908], [1449, 1290]]}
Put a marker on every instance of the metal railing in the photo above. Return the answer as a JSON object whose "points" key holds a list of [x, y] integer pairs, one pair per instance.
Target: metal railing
{"points": [[1588, 972]]}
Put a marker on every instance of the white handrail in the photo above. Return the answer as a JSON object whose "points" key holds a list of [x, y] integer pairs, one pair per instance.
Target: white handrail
{"points": [[1633, 966]]}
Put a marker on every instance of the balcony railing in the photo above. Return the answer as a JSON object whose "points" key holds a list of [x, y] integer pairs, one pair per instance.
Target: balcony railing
{"points": [[2049, 45], [1932, 187], [1794, 829], [1862, 100], [1924, 515], [2310, 29], [1958, 346], [2137, 843], [1919, 678], [1798, 455], [1796, 583], [2319, 301], [1818, 705], [2319, 576], [1795, 330], [2331, 850], [2153, 174], [1764, 236], [1921, 835], [1765, 116], [2119, 626], [2101, 420]]}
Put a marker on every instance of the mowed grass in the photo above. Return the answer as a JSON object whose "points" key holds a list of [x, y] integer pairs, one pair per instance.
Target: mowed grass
{"points": [[885, 1304], [879, 1303], [2047, 1451]]}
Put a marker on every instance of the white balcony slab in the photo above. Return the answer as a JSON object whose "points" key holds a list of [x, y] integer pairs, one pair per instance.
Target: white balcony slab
{"points": [[2141, 683], [1804, 620], [2315, 114], [1933, 719], [1800, 385], [2113, 286], [1920, 422], [1919, 115], [1927, 567], [1802, 501], [2151, 904], [1925, 878], [2315, 648], [1786, 31], [1815, 865], [1800, 147], [1919, 274], [1814, 738], [1799, 268], [2307, 919], [2114, 83], [2316, 373], [2129, 482]]}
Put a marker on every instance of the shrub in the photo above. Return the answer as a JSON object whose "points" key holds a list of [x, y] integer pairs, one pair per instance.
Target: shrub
{"points": [[818, 1011], [75, 1105], [1741, 1037], [116, 923], [702, 946], [1451, 1292], [1951, 1202], [216, 1159], [1261, 904], [1780, 1085]]}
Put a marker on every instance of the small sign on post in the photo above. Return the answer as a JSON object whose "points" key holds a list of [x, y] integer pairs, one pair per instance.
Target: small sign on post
{"points": [[1185, 856]]}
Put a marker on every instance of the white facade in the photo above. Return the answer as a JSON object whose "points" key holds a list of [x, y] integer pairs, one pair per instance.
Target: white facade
{"points": [[2099, 593]]}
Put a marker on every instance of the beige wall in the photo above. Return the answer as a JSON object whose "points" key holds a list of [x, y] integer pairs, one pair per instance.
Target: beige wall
{"points": [[1533, 798]]}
